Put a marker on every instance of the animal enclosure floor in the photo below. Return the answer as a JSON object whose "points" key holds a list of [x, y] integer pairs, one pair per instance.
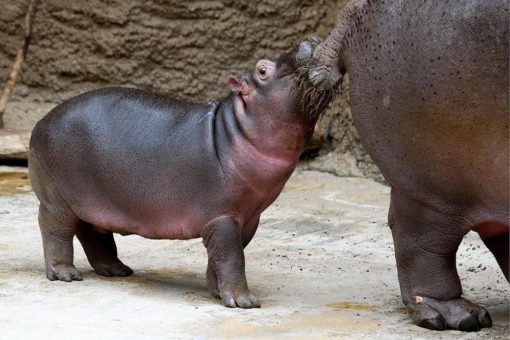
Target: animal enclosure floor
{"points": [[321, 263]]}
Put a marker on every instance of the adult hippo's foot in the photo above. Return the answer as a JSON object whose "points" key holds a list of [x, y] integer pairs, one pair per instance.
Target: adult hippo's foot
{"points": [[426, 242], [456, 313], [226, 277]]}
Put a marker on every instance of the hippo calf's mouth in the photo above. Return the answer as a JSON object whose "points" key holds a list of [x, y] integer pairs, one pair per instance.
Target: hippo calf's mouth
{"points": [[240, 88], [239, 103], [313, 96]]}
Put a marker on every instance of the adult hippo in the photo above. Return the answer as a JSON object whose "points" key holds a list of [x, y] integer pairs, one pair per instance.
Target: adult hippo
{"points": [[127, 161], [429, 98]]}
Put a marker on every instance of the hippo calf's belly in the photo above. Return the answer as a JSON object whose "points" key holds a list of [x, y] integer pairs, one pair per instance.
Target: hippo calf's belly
{"points": [[162, 226]]}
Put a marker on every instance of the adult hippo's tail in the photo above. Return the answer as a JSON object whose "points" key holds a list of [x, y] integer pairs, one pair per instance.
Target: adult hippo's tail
{"points": [[328, 66]]}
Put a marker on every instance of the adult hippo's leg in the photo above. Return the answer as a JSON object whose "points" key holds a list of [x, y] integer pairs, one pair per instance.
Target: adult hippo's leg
{"points": [[226, 277], [498, 245], [426, 242], [101, 251]]}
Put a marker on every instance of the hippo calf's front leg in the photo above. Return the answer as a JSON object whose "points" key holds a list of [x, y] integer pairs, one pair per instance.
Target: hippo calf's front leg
{"points": [[226, 277]]}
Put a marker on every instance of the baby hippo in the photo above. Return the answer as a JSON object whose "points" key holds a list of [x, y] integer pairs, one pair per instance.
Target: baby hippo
{"points": [[120, 160]]}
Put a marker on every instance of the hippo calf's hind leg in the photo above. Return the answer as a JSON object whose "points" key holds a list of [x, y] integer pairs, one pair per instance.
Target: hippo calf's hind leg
{"points": [[226, 277], [57, 235], [101, 251], [425, 250]]}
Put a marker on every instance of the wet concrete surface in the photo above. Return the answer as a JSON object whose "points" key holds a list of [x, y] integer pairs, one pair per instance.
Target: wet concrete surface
{"points": [[321, 263]]}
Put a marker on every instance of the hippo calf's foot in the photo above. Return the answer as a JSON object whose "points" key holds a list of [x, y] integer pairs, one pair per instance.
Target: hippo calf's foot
{"points": [[63, 272], [101, 251], [230, 297], [226, 277], [112, 269], [459, 314]]}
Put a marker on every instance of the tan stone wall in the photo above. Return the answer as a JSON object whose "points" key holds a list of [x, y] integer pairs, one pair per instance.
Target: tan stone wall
{"points": [[181, 48]]}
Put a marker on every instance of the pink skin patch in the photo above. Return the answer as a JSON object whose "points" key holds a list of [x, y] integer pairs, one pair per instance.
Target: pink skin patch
{"points": [[491, 229]]}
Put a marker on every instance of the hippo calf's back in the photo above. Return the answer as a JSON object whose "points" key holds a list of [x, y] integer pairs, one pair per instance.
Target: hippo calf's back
{"points": [[125, 160]]}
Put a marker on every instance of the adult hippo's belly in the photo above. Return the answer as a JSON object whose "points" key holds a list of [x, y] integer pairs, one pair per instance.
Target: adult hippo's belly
{"points": [[442, 130], [429, 96]]}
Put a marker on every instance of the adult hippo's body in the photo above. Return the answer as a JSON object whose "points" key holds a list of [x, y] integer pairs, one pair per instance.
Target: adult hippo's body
{"points": [[429, 97], [127, 161]]}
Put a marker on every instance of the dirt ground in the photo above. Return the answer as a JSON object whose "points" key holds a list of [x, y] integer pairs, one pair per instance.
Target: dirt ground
{"points": [[321, 263]]}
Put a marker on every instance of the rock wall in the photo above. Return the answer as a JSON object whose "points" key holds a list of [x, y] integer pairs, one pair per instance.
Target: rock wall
{"points": [[181, 48]]}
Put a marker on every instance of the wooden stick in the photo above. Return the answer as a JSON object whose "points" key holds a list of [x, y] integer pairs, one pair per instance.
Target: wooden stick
{"points": [[20, 57]]}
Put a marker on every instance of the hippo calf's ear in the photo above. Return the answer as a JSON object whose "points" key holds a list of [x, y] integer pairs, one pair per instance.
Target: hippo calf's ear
{"points": [[234, 83]]}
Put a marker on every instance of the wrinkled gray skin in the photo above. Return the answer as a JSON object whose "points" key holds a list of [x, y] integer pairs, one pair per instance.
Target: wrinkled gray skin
{"points": [[126, 161], [429, 98]]}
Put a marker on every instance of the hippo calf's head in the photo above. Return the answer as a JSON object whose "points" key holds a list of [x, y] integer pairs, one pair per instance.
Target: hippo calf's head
{"points": [[282, 86]]}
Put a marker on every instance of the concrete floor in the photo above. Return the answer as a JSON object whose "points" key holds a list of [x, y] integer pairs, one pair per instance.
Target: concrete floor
{"points": [[321, 263]]}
